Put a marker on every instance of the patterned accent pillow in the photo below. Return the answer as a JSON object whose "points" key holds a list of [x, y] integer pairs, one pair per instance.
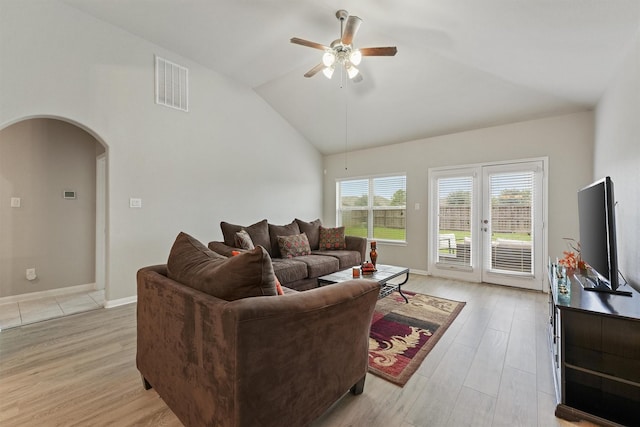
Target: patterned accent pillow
{"points": [[243, 240], [332, 239], [293, 246]]}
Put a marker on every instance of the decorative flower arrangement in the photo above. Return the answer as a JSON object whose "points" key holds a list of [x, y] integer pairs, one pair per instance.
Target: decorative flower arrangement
{"points": [[572, 259]]}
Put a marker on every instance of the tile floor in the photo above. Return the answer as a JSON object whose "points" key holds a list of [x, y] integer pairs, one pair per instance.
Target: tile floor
{"points": [[24, 312]]}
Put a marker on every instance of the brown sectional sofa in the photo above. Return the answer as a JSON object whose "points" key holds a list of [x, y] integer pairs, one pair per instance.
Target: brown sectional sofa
{"points": [[301, 272], [254, 358]]}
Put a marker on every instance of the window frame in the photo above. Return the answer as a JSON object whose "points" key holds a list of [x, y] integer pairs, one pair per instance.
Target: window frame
{"points": [[370, 208]]}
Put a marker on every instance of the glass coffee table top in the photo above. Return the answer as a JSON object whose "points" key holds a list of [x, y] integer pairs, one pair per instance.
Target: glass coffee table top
{"points": [[382, 275]]}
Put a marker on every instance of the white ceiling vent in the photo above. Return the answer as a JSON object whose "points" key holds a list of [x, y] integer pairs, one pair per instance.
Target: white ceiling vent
{"points": [[172, 84]]}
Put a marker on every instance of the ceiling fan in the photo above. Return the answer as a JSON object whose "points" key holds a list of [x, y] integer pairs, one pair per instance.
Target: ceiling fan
{"points": [[341, 51]]}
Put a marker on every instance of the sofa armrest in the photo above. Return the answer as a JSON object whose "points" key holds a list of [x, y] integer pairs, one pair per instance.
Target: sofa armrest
{"points": [[313, 345], [358, 244]]}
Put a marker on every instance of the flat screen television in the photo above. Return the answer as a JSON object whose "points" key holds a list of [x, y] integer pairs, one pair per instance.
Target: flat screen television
{"points": [[596, 214]]}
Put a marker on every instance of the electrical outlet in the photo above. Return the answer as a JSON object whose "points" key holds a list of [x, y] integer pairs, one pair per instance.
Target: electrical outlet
{"points": [[31, 274]]}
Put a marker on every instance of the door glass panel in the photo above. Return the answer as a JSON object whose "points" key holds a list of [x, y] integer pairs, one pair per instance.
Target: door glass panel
{"points": [[511, 222], [454, 220]]}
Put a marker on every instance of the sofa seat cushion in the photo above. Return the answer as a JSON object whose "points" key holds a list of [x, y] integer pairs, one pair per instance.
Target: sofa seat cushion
{"points": [[249, 274], [289, 270], [318, 265], [346, 258]]}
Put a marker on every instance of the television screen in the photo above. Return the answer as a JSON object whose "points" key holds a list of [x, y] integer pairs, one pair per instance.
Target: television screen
{"points": [[598, 232]]}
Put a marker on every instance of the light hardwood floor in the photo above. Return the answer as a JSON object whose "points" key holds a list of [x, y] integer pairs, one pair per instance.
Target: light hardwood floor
{"points": [[491, 368]]}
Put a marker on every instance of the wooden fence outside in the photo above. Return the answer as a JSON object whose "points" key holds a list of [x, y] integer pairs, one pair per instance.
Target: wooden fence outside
{"points": [[388, 218], [505, 218]]}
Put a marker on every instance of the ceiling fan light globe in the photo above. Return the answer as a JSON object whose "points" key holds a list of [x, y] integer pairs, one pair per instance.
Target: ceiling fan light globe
{"points": [[328, 72], [356, 57], [352, 71], [328, 59]]}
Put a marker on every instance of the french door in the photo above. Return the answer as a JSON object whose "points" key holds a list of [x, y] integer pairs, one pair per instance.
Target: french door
{"points": [[487, 223]]}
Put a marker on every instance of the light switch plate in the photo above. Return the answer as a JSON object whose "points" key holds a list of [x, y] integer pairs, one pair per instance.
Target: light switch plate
{"points": [[135, 202], [15, 202]]}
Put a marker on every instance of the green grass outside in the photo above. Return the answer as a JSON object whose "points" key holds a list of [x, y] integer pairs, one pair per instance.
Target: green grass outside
{"points": [[400, 234], [378, 233]]}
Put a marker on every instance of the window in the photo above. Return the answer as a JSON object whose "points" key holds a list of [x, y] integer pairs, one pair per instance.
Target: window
{"points": [[374, 207]]}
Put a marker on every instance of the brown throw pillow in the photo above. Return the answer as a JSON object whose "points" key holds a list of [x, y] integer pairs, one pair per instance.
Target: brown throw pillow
{"points": [[259, 233], [281, 230], [249, 274], [312, 230], [293, 246], [243, 240], [278, 285], [332, 239]]}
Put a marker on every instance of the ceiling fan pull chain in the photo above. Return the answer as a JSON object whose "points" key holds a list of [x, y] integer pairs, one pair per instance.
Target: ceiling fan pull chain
{"points": [[346, 120]]}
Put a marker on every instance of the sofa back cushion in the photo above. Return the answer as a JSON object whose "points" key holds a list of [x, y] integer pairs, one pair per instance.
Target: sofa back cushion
{"points": [[259, 233], [249, 274], [312, 230], [281, 230]]}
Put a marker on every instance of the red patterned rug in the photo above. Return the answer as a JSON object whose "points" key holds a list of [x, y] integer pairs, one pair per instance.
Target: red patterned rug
{"points": [[403, 334]]}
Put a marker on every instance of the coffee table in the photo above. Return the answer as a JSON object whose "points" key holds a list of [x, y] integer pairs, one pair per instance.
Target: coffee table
{"points": [[382, 275]]}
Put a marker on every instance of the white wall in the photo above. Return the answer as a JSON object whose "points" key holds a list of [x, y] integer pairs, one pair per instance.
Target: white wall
{"points": [[230, 158], [617, 154], [567, 141]]}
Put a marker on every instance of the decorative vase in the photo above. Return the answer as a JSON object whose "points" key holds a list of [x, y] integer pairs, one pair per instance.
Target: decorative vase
{"points": [[373, 254]]}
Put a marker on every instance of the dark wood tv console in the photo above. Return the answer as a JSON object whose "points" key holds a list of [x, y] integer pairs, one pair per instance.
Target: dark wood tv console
{"points": [[595, 346]]}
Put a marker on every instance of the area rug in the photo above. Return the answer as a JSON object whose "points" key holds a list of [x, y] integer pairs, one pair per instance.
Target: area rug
{"points": [[403, 334]]}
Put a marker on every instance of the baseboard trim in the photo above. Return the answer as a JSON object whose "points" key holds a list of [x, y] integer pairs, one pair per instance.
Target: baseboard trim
{"points": [[89, 287], [120, 301], [420, 272]]}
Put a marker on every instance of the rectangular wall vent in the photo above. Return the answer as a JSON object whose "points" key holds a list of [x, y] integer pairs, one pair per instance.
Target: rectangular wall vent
{"points": [[172, 84]]}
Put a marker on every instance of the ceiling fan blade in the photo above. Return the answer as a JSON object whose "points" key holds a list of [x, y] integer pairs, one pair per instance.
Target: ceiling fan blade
{"points": [[379, 51], [307, 43], [315, 70], [351, 28]]}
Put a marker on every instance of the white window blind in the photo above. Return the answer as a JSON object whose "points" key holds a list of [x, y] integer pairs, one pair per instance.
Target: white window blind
{"points": [[512, 213], [454, 220], [373, 207]]}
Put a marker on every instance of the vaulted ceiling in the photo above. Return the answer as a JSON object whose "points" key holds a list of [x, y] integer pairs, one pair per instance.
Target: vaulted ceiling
{"points": [[461, 64]]}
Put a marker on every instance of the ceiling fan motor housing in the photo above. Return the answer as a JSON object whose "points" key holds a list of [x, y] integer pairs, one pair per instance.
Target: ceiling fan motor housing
{"points": [[341, 50]]}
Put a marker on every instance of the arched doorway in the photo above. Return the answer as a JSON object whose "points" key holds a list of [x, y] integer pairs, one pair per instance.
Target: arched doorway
{"points": [[53, 174]]}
